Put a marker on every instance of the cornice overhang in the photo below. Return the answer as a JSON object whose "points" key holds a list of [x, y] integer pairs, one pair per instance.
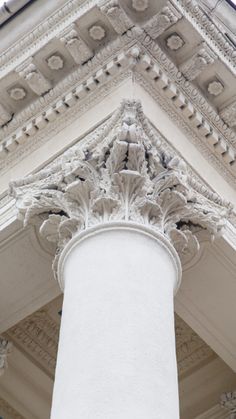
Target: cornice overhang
{"points": [[132, 47]]}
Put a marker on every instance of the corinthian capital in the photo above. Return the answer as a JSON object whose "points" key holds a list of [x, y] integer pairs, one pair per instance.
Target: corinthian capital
{"points": [[123, 175]]}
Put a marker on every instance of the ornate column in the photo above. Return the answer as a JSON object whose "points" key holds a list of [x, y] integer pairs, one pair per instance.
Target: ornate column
{"points": [[121, 211]]}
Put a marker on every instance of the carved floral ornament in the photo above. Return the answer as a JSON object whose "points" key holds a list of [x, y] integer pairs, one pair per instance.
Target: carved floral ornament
{"points": [[122, 175]]}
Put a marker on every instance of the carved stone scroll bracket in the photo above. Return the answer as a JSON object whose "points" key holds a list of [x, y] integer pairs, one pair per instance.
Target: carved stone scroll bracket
{"points": [[5, 349], [76, 46], [198, 62], [229, 114], [34, 78], [228, 402], [117, 16], [167, 17], [123, 174]]}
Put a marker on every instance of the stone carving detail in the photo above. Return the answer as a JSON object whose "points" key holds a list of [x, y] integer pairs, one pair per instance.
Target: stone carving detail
{"points": [[124, 175], [5, 348], [140, 5], [5, 116], [228, 401], [191, 350], [198, 62], [97, 32], [78, 49], [174, 42], [7, 411], [117, 16], [229, 114], [215, 87], [162, 20], [34, 78], [55, 62], [38, 336], [17, 93]]}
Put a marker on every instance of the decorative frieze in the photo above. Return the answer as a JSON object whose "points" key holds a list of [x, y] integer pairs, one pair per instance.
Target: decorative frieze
{"points": [[34, 78], [123, 175], [117, 16], [5, 349], [191, 350], [162, 20], [197, 62], [229, 114], [76, 46]]}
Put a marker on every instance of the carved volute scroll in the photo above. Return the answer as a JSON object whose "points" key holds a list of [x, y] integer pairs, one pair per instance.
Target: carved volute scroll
{"points": [[121, 175], [5, 349]]}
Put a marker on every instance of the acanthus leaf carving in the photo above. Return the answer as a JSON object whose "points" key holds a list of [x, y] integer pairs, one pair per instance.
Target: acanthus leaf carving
{"points": [[124, 175]]}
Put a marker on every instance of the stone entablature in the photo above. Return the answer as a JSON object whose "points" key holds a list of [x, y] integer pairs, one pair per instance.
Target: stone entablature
{"points": [[102, 60]]}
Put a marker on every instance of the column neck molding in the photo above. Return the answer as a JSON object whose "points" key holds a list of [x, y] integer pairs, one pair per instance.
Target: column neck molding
{"points": [[119, 225], [123, 174]]}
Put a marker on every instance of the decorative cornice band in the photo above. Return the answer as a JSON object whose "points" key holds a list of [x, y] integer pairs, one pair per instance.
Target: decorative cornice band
{"points": [[213, 139], [208, 30]]}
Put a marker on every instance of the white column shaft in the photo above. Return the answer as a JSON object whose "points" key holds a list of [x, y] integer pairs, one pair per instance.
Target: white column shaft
{"points": [[116, 355]]}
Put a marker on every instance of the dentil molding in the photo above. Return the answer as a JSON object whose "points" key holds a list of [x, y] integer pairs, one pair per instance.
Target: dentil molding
{"points": [[124, 174]]}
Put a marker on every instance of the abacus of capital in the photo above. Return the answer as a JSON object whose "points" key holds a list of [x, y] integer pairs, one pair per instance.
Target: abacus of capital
{"points": [[123, 214]]}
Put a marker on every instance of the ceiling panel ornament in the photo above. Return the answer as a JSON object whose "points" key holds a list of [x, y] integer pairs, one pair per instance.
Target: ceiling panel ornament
{"points": [[124, 174]]}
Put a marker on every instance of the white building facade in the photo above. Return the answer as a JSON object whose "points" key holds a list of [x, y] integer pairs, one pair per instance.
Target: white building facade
{"points": [[117, 210]]}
